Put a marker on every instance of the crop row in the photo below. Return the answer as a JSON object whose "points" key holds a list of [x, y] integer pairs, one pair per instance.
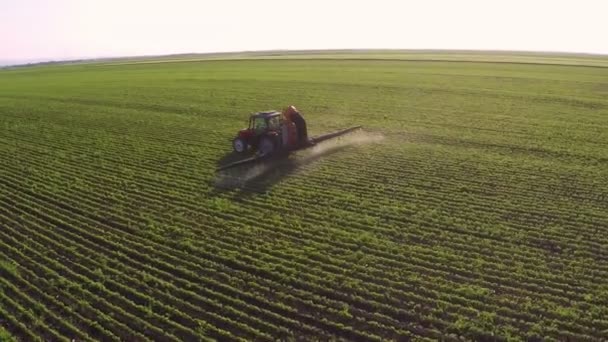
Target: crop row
{"points": [[357, 258], [140, 249], [508, 251]]}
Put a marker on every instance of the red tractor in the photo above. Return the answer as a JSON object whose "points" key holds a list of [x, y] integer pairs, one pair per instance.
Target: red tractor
{"points": [[261, 135], [273, 133]]}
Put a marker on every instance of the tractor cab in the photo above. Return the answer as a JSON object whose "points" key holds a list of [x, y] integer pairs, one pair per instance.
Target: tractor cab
{"points": [[262, 124]]}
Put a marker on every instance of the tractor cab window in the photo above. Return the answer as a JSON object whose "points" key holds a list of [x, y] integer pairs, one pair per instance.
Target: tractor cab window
{"points": [[259, 124], [274, 123]]}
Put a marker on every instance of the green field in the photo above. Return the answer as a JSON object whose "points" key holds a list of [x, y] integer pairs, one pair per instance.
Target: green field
{"points": [[478, 210]]}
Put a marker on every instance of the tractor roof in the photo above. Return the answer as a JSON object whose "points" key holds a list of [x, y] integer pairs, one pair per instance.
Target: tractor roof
{"points": [[267, 114]]}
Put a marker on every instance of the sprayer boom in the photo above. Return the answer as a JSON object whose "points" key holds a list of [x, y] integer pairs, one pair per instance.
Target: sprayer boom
{"points": [[259, 156]]}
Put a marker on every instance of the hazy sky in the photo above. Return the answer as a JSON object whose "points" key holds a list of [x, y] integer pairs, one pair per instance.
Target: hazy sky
{"points": [[62, 29]]}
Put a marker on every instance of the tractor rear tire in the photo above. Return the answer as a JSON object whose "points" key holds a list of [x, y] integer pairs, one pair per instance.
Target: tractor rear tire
{"points": [[267, 146], [239, 145]]}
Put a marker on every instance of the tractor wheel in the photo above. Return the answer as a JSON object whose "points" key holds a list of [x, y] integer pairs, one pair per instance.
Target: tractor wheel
{"points": [[239, 145], [267, 146]]}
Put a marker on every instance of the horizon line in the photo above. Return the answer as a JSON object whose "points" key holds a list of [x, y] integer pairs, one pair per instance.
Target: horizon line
{"points": [[36, 61]]}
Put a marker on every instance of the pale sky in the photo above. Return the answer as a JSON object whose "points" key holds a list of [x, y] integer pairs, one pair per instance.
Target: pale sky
{"points": [[65, 29]]}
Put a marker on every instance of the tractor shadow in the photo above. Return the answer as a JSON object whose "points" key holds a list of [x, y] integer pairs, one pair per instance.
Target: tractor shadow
{"points": [[263, 175]]}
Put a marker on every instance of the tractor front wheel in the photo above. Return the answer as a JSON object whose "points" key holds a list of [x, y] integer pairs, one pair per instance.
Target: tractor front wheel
{"points": [[239, 145]]}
